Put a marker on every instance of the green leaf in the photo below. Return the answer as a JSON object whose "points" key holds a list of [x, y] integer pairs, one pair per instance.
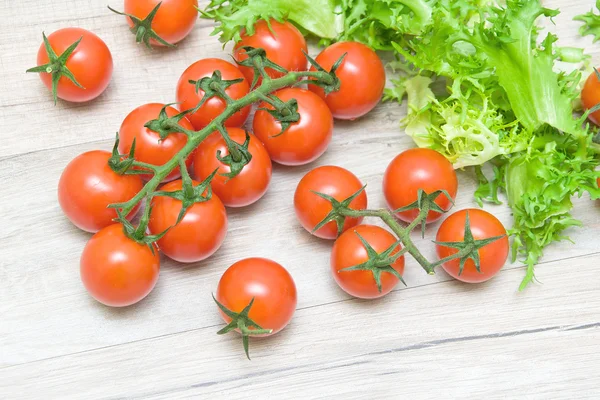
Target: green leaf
{"points": [[591, 23]]}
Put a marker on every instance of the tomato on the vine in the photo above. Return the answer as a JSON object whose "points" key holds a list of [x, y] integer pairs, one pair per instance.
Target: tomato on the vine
{"points": [[283, 43], [88, 185], [173, 21], [85, 73], [116, 270], [189, 97], [590, 96], [349, 251], [198, 235], [303, 141], [416, 169], [361, 75], [336, 182], [267, 283], [246, 187], [149, 147], [483, 225]]}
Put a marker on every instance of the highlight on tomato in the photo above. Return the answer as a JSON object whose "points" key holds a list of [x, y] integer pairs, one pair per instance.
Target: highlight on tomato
{"points": [[366, 261], [282, 42], [361, 75], [250, 183], [190, 93], [193, 217], [75, 64], [153, 146], [88, 185], [340, 184], [299, 142], [160, 22], [256, 297], [482, 232], [116, 270], [419, 169]]}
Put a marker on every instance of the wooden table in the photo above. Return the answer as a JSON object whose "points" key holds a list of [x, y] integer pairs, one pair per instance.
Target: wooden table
{"points": [[436, 338]]}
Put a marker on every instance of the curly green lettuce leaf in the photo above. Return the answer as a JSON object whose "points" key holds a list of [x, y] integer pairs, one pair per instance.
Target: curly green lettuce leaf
{"points": [[591, 23]]}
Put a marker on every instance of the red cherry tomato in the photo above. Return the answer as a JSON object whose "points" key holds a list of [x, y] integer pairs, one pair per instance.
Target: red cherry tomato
{"points": [[303, 141], [149, 147], [88, 185], [198, 235], [90, 63], [282, 42], [416, 169], [590, 96], [349, 251], [311, 209], [483, 226], [250, 184], [116, 270], [362, 78], [173, 21], [268, 283], [213, 107]]}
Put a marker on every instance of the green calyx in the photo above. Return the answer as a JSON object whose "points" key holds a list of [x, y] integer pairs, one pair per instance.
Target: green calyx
{"points": [[56, 66], [238, 154], [142, 28], [190, 194], [425, 203], [138, 234], [257, 60], [284, 112], [243, 323], [378, 263], [337, 210], [213, 86], [328, 87], [121, 163], [467, 249], [165, 125]]}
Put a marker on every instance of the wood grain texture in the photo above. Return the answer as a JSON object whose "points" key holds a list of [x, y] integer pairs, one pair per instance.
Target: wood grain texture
{"points": [[434, 339]]}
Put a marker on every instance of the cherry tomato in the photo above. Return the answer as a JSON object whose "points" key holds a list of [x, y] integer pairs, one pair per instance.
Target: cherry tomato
{"points": [[90, 63], [362, 78], [303, 141], [250, 184], [173, 21], [149, 147], [349, 251], [336, 182], [213, 107], [88, 185], [416, 169], [116, 270], [590, 96], [268, 283], [282, 42], [483, 226], [198, 235]]}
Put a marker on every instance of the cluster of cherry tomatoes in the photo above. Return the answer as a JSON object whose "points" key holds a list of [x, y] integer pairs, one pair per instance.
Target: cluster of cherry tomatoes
{"points": [[254, 295]]}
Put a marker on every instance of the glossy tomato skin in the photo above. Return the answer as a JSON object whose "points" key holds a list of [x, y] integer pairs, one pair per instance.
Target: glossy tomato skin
{"points": [[283, 44], [483, 226], [174, 20], [213, 107], [250, 184], [590, 96], [268, 283], [348, 251], [91, 63], [416, 169], [303, 141], [197, 236], [362, 78], [88, 185], [149, 148], [312, 209], [116, 270]]}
